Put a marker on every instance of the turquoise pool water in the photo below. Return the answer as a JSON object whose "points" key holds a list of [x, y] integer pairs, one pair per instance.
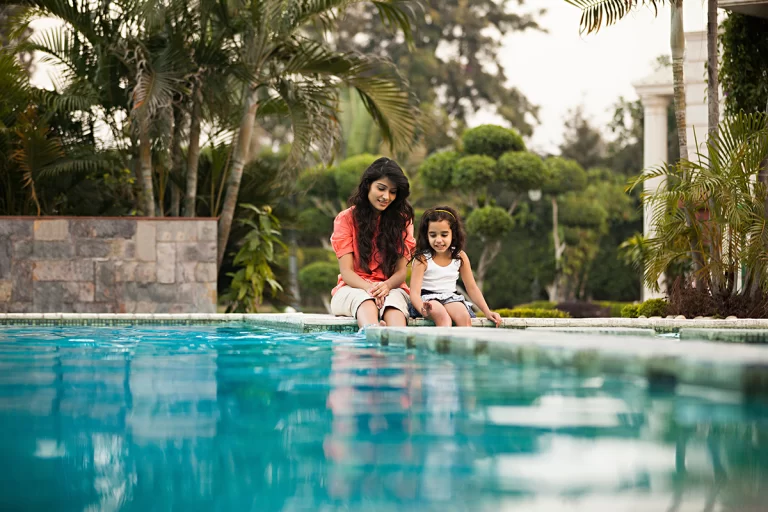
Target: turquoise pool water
{"points": [[239, 418]]}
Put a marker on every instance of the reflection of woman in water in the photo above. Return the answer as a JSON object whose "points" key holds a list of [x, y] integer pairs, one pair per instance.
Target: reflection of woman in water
{"points": [[371, 425]]}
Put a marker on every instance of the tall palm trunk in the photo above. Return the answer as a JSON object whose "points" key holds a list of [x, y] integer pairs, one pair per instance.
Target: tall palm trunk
{"points": [[193, 153], [677, 45], [713, 103], [177, 157], [239, 159], [713, 85], [145, 165]]}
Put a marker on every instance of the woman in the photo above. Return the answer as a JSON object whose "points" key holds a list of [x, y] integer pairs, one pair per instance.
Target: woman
{"points": [[373, 240]]}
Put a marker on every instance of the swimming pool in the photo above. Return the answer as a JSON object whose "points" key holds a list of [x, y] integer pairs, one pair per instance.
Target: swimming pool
{"points": [[244, 418]]}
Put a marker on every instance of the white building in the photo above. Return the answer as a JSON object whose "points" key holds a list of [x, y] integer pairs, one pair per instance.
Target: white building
{"points": [[656, 93]]}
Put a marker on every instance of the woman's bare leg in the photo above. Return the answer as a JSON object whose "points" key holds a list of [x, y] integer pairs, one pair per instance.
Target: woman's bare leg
{"points": [[393, 317], [367, 313]]}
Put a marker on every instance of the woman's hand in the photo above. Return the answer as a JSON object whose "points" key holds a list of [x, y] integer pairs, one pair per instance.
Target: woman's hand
{"points": [[494, 317], [380, 290]]}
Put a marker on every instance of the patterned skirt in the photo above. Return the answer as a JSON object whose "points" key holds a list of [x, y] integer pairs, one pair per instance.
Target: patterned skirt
{"points": [[442, 298]]}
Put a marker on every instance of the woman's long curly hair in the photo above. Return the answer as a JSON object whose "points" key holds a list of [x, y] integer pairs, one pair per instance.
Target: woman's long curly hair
{"points": [[437, 214], [393, 221]]}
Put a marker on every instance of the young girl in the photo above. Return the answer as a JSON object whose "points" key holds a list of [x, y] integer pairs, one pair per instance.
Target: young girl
{"points": [[373, 240], [438, 262]]}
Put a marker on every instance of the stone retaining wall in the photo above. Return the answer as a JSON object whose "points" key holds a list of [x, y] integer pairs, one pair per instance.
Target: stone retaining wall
{"points": [[107, 265]]}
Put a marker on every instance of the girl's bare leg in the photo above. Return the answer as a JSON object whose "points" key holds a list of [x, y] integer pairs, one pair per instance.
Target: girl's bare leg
{"points": [[439, 315], [459, 314]]}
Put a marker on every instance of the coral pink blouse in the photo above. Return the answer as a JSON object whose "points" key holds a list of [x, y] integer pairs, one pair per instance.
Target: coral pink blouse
{"points": [[344, 241]]}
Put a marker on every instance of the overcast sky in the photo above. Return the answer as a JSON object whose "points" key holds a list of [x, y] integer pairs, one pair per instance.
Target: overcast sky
{"points": [[560, 69]]}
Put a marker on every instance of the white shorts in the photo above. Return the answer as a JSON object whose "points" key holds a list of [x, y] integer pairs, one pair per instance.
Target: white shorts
{"points": [[346, 300]]}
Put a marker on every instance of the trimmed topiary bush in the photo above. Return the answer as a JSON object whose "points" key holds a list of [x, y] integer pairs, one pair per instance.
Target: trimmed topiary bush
{"points": [[521, 171], [652, 307], [564, 175], [532, 313], [437, 170], [474, 172], [489, 222], [491, 140]]}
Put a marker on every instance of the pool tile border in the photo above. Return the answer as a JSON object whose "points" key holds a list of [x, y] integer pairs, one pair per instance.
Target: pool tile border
{"points": [[301, 322], [115, 319]]}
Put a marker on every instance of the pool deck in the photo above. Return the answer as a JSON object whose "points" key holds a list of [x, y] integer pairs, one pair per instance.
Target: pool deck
{"points": [[735, 361], [745, 330]]}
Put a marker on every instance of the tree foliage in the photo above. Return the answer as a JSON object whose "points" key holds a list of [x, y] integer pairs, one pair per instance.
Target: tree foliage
{"points": [[744, 68], [452, 65]]}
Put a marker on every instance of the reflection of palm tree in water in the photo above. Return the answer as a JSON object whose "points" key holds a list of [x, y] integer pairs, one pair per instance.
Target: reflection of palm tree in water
{"points": [[743, 489], [681, 472]]}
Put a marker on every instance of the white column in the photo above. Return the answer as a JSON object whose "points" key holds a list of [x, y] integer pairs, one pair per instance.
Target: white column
{"points": [[654, 153]]}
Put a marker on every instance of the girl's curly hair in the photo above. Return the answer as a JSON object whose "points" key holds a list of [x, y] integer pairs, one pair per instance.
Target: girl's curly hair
{"points": [[437, 214], [392, 222]]}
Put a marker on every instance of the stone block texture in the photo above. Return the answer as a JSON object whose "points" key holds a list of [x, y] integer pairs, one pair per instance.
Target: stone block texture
{"points": [[107, 265]]}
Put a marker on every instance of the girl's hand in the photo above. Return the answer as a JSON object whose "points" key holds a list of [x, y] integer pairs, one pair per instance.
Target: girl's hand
{"points": [[494, 317], [380, 290]]}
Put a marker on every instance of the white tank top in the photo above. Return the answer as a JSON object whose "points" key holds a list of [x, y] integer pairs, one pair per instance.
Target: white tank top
{"points": [[441, 279]]}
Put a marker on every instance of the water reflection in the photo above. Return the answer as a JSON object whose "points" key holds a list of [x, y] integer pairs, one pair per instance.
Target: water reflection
{"points": [[238, 419]]}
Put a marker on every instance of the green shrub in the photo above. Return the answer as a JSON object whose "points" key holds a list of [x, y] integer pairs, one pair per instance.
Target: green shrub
{"points": [[652, 307], [630, 311], [564, 175], [473, 172], [437, 170], [537, 304], [531, 313], [348, 172], [318, 277], [490, 222], [491, 140], [615, 307], [521, 171], [309, 255], [579, 211]]}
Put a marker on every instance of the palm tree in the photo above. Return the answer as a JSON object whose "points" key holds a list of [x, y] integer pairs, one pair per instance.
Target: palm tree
{"points": [[730, 231], [299, 77], [597, 12]]}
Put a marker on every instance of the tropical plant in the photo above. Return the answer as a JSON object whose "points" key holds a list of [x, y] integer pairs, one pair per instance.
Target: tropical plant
{"points": [[729, 231], [255, 257], [295, 75], [41, 154]]}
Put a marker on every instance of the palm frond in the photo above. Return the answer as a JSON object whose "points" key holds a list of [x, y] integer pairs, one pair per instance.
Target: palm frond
{"points": [[597, 13]]}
